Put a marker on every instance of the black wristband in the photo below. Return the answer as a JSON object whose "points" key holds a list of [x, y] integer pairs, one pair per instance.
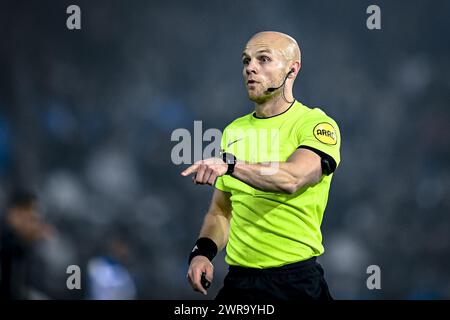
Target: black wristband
{"points": [[203, 247]]}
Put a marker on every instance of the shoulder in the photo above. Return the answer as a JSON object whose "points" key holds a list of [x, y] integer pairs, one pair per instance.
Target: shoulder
{"points": [[316, 122], [239, 122], [317, 115], [314, 113]]}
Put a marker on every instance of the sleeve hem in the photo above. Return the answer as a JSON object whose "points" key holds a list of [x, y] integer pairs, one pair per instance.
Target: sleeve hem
{"points": [[327, 162]]}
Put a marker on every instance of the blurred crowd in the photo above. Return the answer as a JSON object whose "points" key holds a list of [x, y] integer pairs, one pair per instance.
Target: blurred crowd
{"points": [[86, 117]]}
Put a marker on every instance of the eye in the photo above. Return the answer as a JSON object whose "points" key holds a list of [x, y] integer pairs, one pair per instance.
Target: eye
{"points": [[246, 61], [265, 59]]}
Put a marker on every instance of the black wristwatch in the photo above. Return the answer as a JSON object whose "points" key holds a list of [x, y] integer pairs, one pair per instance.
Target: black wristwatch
{"points": [[229, 159]]}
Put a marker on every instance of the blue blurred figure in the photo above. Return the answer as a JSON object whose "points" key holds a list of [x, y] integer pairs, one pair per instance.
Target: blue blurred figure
{"points": [[108, 276]]}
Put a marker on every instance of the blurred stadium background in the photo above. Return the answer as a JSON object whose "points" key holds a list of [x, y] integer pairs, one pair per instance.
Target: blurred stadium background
{"points": [[86, 118]]}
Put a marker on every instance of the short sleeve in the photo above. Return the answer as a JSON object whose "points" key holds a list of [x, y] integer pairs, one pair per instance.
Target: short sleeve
{"points": [[320, 133]]}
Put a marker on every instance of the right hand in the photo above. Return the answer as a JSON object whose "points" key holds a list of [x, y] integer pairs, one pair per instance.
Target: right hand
{"points": [[200, 264]]}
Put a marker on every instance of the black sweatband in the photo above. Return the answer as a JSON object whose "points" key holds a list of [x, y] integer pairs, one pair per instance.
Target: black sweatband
{"points": [[203, 247]]}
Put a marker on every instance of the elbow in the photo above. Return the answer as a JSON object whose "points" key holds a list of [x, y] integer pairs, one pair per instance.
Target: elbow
{"points": [[290, 184], [291, 187], [298, 181], [296, 184]]}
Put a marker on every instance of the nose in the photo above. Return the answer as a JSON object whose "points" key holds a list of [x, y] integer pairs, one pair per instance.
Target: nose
{"points": [[251, 67]]}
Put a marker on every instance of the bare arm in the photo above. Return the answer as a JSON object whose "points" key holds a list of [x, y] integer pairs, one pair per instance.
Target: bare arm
{"points": [[217, 220], [215, 226], [303, 168]]}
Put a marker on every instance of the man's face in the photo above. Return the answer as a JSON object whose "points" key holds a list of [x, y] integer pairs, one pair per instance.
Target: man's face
{"points": [[264, 67], [24, 220]]}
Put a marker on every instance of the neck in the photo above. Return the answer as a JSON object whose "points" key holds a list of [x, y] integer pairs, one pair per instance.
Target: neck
{"points": [[274, 106]]}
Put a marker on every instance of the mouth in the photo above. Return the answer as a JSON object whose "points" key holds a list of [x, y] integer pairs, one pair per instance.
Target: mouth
{"points": [[251, 82]]}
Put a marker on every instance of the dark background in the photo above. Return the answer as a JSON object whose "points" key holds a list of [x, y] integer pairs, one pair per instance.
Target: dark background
{"points": [[86, 118]]}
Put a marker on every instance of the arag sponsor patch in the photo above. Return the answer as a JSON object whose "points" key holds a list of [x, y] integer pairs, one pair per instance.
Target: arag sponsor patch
{"points": [[325, 132]]}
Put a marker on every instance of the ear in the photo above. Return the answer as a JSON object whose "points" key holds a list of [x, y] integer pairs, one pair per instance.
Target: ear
{"points": [[296, 69]]}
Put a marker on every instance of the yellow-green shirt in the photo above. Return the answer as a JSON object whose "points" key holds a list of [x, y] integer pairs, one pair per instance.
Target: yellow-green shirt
{"points": [[269, 229]]}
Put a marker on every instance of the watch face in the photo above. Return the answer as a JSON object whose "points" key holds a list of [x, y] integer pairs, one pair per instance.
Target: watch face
{"points": [[229, 158]]}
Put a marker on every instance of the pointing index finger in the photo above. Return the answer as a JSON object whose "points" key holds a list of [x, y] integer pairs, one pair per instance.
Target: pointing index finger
{"points": [[190, 170]]}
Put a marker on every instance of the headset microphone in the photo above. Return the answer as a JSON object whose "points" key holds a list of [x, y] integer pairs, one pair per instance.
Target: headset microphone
{"points": [[284, 81]]}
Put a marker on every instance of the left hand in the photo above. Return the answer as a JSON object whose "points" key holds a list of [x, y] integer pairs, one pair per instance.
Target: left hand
{"points": [[206, 171]]}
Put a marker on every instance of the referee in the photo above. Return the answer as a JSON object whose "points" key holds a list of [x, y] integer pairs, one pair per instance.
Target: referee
{"points": [[271, 186]]}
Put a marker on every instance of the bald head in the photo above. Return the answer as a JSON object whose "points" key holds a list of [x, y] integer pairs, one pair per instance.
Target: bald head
{"points": [[278, 41], [271, 64]]}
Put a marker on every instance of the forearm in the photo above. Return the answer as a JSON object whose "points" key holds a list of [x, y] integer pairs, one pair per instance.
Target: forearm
{"points": [[283, 177], [215, 226]]}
